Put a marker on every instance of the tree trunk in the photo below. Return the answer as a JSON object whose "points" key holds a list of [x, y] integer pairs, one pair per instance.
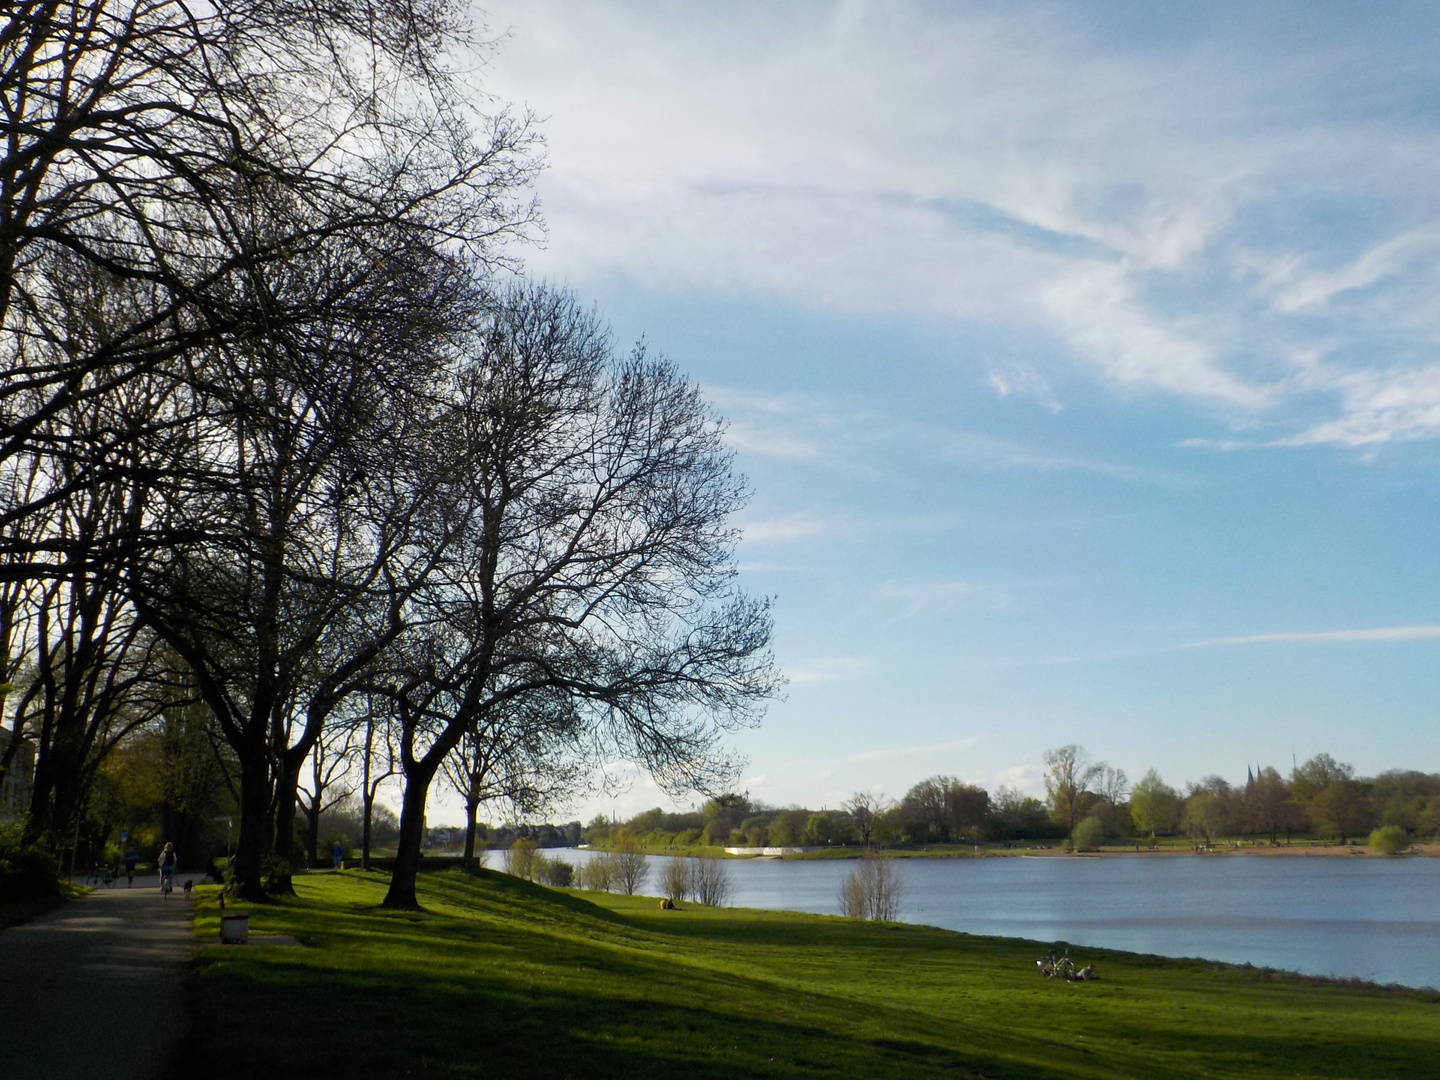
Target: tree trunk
{"points": [[471, 807], [312, 833], [256, 825], [286, 795], [369, 800], [37, 818], [412, 834]]}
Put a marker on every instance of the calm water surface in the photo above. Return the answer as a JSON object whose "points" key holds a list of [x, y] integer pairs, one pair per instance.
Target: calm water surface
{"points": [[1375, 919]]}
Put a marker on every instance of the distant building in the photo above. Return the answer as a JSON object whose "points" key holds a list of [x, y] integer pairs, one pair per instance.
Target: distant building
{"points": [[15, 788]]}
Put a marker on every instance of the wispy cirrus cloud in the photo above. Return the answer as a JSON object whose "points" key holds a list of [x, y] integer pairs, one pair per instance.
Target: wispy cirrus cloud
{"points": [[1294, 288], [1424, 632], [1165, 216], [821, 430], [1381, 407], [790, 527], [829, 669]]}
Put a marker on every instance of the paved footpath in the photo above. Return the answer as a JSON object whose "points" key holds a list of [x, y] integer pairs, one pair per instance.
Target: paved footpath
{"points": [[93, 989]]}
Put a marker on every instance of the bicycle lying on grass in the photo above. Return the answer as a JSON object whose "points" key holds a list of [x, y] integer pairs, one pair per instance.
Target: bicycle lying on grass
{"points": [[1063, 967]]}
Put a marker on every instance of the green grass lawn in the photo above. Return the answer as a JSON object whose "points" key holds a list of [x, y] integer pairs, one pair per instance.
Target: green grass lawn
{"points": [[500, 978]]}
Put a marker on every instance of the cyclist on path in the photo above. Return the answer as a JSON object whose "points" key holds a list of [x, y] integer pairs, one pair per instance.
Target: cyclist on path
{"points": [[168, 862]]}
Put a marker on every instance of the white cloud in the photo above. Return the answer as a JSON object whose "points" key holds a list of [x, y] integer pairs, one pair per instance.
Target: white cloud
{"points": [[828, 669], [1023, 380], [1028, 779], [1298, 291], [849, 438], [1380, 407], [1096, 308], [1321, 637], [799, 526], [1157, 212]]}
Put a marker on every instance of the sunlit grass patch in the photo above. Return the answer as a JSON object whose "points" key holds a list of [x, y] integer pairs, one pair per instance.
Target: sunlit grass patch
{"points": [[498, 977]]}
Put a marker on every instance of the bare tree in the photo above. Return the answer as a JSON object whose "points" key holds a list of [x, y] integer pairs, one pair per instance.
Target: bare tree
{"points": [[1069, 776], [631, 866], [942, 808], [1113, 785], [93, 672], [1268, 807], [329, 785], [592, 564], [377, 764], [873, 890], [16, 604], [864, 809], [278, 187], [598, 872], [513, 757], [710, 880], [143, 139], [677, 878]]}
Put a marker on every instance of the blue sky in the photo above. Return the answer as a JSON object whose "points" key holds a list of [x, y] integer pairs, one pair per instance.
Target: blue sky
{"points": [[1083, 359]]}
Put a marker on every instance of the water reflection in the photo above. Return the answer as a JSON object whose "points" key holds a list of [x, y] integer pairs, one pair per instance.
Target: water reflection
{"points": [[1365, 918]]}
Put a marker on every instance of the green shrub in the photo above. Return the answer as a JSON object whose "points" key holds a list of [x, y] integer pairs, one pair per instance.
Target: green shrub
{"points": [[597, 873], [520, 858], [556, 872], [1089, 834], [1389, 840], [276, 872], [26, 873]]}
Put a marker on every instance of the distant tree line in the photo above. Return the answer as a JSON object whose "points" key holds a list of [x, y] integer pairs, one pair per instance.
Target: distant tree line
{"points": [[1086, 803]]}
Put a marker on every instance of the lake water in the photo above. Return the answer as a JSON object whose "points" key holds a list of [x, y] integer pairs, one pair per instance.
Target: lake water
{"points": [[1376, 919]]}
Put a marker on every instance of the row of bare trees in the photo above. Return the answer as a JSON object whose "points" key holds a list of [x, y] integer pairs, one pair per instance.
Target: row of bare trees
{"points": [[275, 438]]}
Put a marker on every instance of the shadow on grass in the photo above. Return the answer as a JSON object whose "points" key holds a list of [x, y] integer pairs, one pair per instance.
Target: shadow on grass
{"points": [[502, 978]]}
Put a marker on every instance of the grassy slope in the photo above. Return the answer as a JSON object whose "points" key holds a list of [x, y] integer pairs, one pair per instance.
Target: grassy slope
{"points": [[501, 978]]}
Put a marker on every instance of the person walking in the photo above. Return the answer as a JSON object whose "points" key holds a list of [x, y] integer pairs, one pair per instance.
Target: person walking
{"points": [[337, 854], [168, 862], [132, 859]]}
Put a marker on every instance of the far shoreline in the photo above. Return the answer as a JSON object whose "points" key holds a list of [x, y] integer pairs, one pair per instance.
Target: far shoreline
{"points": [[1301, 849]]}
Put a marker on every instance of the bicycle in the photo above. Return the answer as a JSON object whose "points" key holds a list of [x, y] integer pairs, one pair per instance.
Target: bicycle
{"points": [[1063, 967], [1057, 967]]}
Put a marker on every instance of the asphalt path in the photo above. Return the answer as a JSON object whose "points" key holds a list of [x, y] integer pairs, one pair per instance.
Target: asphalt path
{"points": [[93, 989]]}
